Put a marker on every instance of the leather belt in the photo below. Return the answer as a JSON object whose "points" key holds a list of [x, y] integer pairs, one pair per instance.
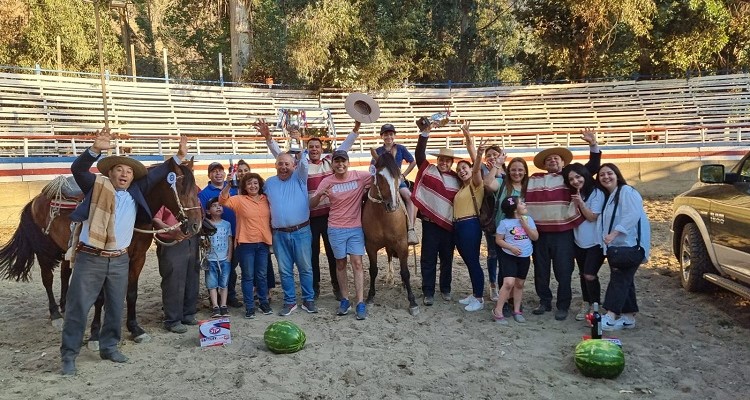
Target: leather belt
{"points": [[465, 218], [84, 248], [293, 228]]}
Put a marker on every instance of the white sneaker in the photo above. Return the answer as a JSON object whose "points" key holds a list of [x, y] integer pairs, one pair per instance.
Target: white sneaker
{"points": [[467, 300], [475, 305], [611, 324], [628, 322], [585, 309], [494, 294]]}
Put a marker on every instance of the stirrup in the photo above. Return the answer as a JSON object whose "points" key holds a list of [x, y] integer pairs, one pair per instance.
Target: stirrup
{"points": [[412, 234]]}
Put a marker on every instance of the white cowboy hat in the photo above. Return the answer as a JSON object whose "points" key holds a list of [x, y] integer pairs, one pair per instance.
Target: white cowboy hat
{"points": [[107, 163], [564, 153], [444, 152], [362, 108]]}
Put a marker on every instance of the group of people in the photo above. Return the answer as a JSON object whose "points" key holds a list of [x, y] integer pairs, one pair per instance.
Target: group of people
{"points": [[569, 213]]}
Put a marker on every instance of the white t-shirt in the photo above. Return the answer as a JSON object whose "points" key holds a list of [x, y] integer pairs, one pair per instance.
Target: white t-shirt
{"points": [[515, 235], [219, 241], [588, 233]]}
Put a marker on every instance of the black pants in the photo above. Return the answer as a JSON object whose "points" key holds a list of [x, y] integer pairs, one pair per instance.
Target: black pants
{"points": [[555, 250], [436, 242], [319, 227], [589, 262], [620, 297], [180, 277]]}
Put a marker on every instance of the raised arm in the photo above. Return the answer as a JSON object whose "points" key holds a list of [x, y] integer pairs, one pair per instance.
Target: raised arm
{"points": [[595, 154], [262, 126], [469, 141], [347, 144], [420, 152], [476, 171]]}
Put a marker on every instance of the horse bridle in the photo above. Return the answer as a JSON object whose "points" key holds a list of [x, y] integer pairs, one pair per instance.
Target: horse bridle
{"points": [[181, 214], [380, 200]]}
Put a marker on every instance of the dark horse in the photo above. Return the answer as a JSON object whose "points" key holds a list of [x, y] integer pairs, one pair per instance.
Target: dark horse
{"points": [[30, 240], [384, 223]]}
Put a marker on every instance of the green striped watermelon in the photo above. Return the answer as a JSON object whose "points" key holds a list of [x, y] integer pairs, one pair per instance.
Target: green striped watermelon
{"points": [[284, 337], [597, 358]]}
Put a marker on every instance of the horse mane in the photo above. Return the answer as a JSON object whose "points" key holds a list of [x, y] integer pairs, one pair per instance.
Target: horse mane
{"points": [[387, 161]]}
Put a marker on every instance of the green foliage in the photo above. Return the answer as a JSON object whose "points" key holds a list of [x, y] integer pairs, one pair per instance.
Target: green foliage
{"points": [[73, 21], [688, 34], [375, 44]]}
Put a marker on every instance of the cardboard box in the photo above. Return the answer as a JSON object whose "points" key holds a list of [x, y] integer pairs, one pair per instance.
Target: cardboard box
{"points": [[611, 339], [214, 332]]}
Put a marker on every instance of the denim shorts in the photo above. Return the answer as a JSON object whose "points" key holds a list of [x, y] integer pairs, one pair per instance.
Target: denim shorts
{"points": [[217, 275], [346, 241]]}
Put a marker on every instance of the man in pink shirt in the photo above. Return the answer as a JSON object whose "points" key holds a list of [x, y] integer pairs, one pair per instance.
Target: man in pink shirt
{"points": [[344, 190]]}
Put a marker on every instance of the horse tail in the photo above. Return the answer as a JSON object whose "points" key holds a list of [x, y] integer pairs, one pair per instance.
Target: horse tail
{"points": [[17, 256]]}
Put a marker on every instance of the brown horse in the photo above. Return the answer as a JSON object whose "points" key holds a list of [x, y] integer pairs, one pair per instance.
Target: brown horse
{"points": [[384, 223], [30, 241]]}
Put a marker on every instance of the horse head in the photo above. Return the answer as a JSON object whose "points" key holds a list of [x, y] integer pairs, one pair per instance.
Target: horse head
{"points": [[385, 187], [179, 193]]}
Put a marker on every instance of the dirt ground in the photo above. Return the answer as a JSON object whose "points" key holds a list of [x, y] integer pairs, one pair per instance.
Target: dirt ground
{"points": [[686, 346]]}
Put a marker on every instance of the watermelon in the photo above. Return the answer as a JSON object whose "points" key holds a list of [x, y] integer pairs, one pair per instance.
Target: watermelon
{"points": [[597, 358], [284, 337]]}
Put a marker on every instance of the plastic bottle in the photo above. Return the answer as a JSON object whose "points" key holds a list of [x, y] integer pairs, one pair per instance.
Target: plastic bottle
{"points": [[596, 323]]}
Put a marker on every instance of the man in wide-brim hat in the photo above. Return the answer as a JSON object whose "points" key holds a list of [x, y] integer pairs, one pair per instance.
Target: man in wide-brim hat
{"points": [[549, 203], [112, 204], [434, 189]]}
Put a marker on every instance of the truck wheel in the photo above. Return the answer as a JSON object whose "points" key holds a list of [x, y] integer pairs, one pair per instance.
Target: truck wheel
{"points": [[694, 260]]}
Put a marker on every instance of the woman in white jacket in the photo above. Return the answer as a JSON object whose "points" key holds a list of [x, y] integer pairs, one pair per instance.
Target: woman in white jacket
{"points": [[624, 224]]}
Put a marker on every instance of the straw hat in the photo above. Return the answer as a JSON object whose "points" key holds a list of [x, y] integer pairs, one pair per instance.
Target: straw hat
{"points": [[362, 108], [107, 163], [564, 153], [444, 152]]}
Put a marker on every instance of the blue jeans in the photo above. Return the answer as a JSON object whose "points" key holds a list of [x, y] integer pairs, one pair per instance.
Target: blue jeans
{"points": [[253, 264], [493, 262], [468, 236], [294, 248], [436, 241]]}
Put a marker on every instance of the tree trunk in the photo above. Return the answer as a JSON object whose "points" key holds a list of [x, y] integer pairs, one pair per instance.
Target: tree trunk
{"points": [[239, 28]]}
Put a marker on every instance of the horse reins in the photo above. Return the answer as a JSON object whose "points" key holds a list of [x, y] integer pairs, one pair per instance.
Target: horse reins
{"points": [[181, 218], [380, 200]]}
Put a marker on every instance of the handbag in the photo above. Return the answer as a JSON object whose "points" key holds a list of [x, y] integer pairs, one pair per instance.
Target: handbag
{"points": [[486, 213], [625, 255]]}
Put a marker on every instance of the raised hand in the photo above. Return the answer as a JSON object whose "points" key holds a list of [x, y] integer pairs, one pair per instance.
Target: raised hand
{"points": [[465, 129], [357, 124], [589, 136], [103, 140], [182, 150], [262, 126]]}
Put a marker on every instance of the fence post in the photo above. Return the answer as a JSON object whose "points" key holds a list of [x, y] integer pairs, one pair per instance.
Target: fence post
{"points": [[59, 55], [166, 66], [25, 147], [73, 145], [221, 69], [132, 61], [37, 69]]}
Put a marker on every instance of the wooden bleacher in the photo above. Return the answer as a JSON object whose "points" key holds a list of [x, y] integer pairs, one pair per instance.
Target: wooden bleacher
{"points": [[48, 115]]}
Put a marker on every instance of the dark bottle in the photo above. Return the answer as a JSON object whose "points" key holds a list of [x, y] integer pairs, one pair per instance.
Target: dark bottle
{"points": [[596, 323]]}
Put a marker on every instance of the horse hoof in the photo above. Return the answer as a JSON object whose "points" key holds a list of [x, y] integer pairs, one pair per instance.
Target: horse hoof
{"points": [[93, 345], [414, 311], [57, 323], [142, 338]]}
